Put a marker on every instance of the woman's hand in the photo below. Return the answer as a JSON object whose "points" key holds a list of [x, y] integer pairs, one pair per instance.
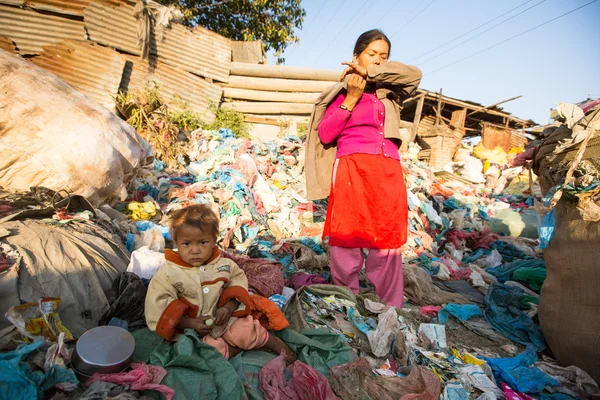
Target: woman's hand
{"points": [[353, 68], [356, 86]]}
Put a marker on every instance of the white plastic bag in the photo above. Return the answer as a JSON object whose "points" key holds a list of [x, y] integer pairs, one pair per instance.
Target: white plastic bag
{"points": [[145, 262], [387, 329]]}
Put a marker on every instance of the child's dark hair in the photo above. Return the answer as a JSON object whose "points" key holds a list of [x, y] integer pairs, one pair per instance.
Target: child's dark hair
{"points": [[369, 37], [199, 216]]}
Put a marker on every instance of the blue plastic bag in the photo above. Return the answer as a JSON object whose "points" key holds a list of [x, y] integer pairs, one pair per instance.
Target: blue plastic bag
{"points": [[546, 231], [461, 311], [517, 372]]}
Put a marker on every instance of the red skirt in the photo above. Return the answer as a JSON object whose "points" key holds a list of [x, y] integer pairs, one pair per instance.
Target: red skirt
{"points": [[367, 203]]}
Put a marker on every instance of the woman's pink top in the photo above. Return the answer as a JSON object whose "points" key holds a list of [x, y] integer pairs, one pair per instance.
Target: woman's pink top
{"points": [[359, 131]]}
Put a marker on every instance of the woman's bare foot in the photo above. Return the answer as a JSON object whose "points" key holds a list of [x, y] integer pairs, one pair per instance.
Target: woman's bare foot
{"points": [[277, 345]]}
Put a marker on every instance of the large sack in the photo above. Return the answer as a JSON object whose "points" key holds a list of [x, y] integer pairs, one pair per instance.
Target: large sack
{"points": [[77, 262], [52, 135], [569, 310]]}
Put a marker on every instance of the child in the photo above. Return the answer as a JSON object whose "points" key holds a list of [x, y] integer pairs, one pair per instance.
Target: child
{"points": [[200, 290]]}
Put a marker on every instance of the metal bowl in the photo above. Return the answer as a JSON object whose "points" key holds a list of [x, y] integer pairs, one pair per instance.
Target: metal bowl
{"points": [[103, 350]]}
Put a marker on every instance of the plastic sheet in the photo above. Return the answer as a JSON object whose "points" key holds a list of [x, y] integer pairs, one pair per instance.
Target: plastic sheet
{"points": [[517, 372], [503, 312], [461, 311]]}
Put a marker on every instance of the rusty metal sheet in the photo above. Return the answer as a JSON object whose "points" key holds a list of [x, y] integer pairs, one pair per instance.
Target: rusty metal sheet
{"points": [[173, 82], [31, 30], [518, 140], [67, 7], [92, 69], [493, 136], [111, 24], [7, 45], [197, 50]]}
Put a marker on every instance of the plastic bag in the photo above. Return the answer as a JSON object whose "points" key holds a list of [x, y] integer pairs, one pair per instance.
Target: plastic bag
{"points": [[306, 383], [387, 328], [146, 262], [435, 333], [518, 374], [39, 321], [152, 239], [461, 311]]}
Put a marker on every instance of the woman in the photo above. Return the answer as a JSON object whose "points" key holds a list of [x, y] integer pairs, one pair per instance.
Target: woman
{"points": [[352, 154]]}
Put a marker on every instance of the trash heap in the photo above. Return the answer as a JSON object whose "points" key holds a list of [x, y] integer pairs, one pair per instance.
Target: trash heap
{"points": [[472, 273]]}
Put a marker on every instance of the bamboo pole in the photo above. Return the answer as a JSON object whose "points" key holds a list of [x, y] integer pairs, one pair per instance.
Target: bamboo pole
{"points": [[277, 85], [269, 107], [283, 72], [263, 95]]}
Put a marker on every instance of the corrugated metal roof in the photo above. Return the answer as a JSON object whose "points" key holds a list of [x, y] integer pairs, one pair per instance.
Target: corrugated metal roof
{"points": [[100, 15], [94, 70], [31, 30], [197, 50], [197, 92], [7, 45], [68, 7]]}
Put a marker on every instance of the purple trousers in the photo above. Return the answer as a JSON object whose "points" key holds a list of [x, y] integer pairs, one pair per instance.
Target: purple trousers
{"points": [[384, 270]]}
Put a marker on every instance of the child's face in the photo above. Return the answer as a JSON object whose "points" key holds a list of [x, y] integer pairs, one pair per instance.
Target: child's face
{"points": [[194, 245]]}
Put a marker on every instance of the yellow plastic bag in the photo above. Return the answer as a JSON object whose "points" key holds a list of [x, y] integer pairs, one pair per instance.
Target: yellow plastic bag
{"points": [[141, 211], [39, 321], [496, 156]]}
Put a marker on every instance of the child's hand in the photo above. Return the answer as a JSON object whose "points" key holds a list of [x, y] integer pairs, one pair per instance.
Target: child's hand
{"points": [[200, 326], [223, 314]]}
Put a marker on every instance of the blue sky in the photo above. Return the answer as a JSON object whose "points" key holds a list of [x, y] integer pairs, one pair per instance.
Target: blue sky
{"points": [[558, 62]]}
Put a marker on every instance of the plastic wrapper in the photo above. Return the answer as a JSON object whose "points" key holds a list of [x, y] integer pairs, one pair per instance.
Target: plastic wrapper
{"points": [[39, 321]]}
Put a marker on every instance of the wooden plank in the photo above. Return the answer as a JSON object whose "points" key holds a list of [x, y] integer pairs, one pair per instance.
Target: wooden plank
{"points": [[458, 119], [277, 85], [283, 72], [469, 106], [269, 107], [263, 95]]}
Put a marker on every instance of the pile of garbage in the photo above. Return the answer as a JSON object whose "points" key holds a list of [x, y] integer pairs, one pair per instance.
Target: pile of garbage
{"points": [[473, 273]]}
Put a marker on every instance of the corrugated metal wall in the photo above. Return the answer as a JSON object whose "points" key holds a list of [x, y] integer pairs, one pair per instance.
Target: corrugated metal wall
{"points": [[92, 44], [173, 82], [31, 30], [90, 68]]}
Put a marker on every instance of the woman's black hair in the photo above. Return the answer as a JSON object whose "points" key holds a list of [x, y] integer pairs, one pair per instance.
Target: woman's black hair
{"points": [[369, 37]]}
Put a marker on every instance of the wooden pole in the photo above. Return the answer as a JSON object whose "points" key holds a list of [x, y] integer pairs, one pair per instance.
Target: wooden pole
{"points": [[277, 85], [484, 109], [269, 108], [263, 95], [283, 72], [438, 111]]}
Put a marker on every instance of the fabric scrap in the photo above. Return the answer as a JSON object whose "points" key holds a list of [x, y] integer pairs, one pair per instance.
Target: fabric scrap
{"points": [[141, 377]]}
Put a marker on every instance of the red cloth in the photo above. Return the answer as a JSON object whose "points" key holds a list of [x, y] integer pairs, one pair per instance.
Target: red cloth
{"points": [[474, 240], [367, 203]]}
